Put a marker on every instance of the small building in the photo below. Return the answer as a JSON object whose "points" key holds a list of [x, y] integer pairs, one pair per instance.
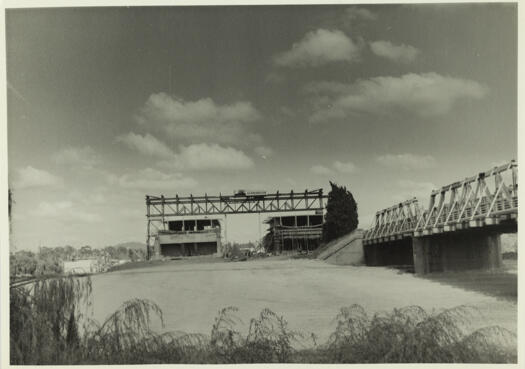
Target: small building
{"points": [[84, 266], [189, 237], [294, 233]]}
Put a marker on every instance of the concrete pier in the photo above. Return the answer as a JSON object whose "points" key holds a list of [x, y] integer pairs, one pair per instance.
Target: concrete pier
{"points": [[397, 252], [456, 251]]}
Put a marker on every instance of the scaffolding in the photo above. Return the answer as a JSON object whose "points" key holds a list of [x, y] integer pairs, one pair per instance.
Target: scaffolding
{"points": [[295, 233]]}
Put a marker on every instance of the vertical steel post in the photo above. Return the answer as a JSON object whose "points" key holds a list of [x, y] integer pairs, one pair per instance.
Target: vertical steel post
{"points": [[163, 220], [148, 229], [514, 179], [225, 229], [260, 236]]}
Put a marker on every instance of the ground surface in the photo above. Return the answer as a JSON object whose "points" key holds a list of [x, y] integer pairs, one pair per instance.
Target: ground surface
{"points": [[308, 293]]}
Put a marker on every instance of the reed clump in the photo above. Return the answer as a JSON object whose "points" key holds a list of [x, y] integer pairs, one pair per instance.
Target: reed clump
{"points": [[50, 324]]}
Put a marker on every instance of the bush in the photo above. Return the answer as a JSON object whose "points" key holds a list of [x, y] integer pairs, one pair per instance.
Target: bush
{"points": [[411, 335], [341, 213], [44, 320], [48, 327]]}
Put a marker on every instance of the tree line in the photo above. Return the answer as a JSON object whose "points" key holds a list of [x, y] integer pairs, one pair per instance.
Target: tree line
{"points": [[49, 260]]}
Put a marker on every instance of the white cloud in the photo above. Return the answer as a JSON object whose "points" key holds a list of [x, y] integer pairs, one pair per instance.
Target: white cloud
{"points": [[147, 145], [409, 189], [427, 94], [345, 167], [354, 13], [320, 47], [407, 161], [337, 166], [77, 156], [263, 151], [212, 156], [201, 156], [200, 121], [397, 53], [30, 177], [321, 170], [150, 179], [63, 210]]}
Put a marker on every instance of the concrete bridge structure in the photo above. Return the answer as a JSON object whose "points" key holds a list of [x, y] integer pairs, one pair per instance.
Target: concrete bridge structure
{"points": [[459, 230]]}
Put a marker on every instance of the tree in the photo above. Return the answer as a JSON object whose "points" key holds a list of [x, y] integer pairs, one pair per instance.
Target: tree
{"points": [[86, 251], [341, 213], [9, 201]]}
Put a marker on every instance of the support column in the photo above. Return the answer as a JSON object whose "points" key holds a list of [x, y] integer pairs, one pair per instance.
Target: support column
{"points": [[421, 257]]}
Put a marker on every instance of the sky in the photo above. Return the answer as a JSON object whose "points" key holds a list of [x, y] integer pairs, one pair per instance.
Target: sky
{"points": [[106, 105]]}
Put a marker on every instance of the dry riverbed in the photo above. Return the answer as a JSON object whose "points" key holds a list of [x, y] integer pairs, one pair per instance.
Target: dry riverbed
{"points": [[308, 293]]}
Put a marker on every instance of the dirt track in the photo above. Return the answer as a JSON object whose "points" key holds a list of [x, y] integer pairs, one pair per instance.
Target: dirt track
{"points": [[308, 293]]}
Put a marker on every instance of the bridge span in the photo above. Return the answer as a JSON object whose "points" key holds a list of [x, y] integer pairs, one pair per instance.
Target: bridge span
{"points": [[460, 228]]}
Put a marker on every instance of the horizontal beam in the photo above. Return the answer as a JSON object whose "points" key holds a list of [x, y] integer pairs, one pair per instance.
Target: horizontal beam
{"points": [[176, 214], [161, 207]]}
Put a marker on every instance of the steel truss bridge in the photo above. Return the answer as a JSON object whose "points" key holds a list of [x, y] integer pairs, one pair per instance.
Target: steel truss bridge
{"points": [[487, 199], [159, 207]]}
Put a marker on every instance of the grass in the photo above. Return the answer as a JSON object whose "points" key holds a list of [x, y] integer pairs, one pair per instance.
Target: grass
{"points": [[50, 325], [498, 283]]}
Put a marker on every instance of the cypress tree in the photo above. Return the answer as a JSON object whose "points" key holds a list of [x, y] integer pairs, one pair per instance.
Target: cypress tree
{"points": [[341, 213]]}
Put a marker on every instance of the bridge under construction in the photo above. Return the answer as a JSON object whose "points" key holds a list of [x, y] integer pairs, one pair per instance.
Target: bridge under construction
{"points": [[460, 229], [162, 213]]}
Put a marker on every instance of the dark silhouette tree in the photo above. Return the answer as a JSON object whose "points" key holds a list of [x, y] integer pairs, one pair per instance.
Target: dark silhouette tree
{"points": [[341, 213], [10, 201]]}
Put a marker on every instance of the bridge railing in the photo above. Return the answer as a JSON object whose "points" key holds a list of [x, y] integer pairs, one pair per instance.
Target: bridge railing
{"points": [[482, 200]]}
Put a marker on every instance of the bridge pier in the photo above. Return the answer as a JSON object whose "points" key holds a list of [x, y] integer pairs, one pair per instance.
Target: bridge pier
{"points": [[398, 252], [457, 251]]}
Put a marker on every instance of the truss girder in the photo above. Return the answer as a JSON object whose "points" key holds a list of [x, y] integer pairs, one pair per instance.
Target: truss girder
{"points": [[160, 207], [477, 201]]}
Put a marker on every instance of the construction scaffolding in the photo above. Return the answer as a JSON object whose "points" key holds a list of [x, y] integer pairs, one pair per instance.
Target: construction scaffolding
{"points": [[294, 233]]}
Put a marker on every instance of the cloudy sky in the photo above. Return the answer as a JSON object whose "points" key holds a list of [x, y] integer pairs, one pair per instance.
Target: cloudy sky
{"points": [[106, 105]]}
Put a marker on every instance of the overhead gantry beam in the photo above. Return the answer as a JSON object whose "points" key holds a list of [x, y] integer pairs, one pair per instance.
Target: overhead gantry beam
{"points": [[159, 207]]}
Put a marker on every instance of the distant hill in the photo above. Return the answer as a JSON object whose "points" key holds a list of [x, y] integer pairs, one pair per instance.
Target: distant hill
{"points": [[132, 245]]}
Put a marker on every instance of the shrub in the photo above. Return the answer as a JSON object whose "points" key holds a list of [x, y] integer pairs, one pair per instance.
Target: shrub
{"points": [[48, 327], [44, 320], [410, 335]]}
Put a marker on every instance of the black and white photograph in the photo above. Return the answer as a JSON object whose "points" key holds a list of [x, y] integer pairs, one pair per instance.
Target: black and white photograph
{"points": [[235, 183]]}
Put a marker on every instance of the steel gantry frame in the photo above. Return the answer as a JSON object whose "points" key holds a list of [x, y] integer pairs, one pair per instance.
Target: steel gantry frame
{"points": [[470, 203], [159, 208]]}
